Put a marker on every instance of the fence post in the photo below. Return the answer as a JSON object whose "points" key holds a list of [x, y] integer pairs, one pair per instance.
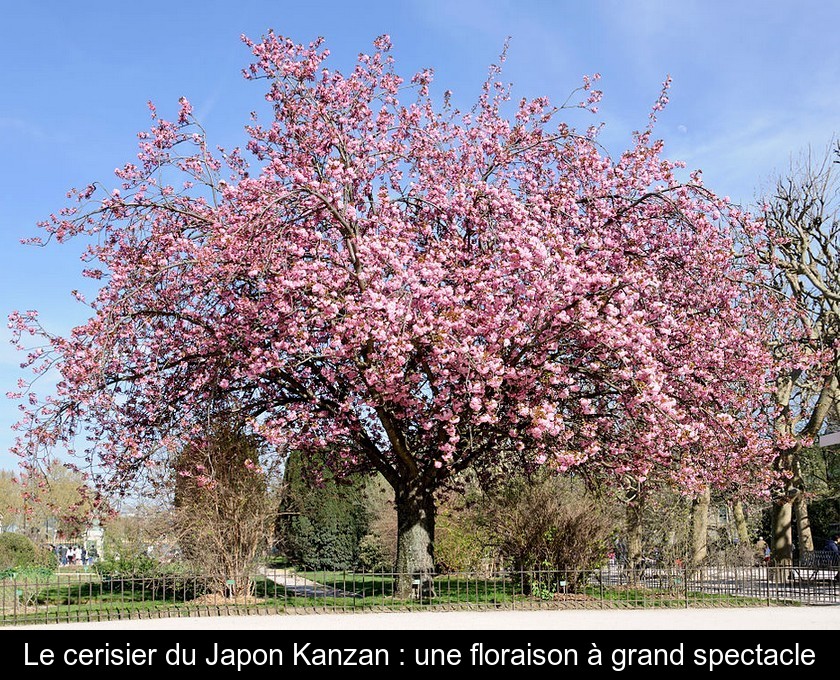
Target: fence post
{"points": [[601, 587], [767, 584]]}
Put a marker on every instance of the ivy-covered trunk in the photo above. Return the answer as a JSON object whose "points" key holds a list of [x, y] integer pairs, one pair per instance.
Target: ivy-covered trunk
{"points": [[415, 537]]}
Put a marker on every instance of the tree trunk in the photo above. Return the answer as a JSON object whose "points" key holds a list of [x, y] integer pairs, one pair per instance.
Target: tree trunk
{"points": [[634, 539], [788, 461], [782, 547], [741, 524], [803, 524], [700, 528], [800, 510], [415, 539]]}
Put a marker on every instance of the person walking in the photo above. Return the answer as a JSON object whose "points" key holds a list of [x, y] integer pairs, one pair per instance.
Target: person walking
{"points": [[832, 547], [762, 551]]}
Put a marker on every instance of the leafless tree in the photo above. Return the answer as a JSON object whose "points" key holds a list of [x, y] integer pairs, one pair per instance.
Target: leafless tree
{"points": [[225, 509], [803, 216]]}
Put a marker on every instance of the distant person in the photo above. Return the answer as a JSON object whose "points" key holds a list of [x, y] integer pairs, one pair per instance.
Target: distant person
{"points": [[762, 550], [832, 545]]}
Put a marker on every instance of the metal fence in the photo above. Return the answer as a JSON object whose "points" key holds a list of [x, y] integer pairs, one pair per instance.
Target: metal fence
{"points": [[87, 596]]}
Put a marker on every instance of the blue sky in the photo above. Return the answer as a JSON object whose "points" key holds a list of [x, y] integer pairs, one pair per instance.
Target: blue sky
{"points": [[754, 84]]}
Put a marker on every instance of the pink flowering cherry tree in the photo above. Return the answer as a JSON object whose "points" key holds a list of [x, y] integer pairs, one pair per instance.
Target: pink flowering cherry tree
{"points": [[408, 289]]}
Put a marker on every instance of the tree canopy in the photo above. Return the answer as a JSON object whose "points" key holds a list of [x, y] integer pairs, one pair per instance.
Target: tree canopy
{"points": [[400, 286]]}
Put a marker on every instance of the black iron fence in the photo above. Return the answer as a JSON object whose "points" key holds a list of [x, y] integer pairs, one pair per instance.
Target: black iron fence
{"points": [[87, 596]]}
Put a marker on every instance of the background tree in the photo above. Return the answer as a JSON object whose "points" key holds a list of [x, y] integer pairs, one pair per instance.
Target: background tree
{"points": [[47, 502], [634, 494], [801, 249], [402, 287], [323, 520], [742, 530], [11, 503], [140, 537], [62, 499]]}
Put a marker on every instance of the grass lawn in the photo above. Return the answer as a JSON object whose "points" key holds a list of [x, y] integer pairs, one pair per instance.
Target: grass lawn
{"points": [[87, 597]]}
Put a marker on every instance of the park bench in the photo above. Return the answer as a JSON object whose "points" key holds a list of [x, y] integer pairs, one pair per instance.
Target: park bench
{"points": [[814, 564]]}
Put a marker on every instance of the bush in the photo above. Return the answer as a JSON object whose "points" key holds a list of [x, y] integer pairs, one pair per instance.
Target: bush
{"points": [[131, 565], [373, 555], [46, 559], [21, 558], [16, 550], [224, 508], [138, 571], [26, 573], [549, 524], [463, 542]]}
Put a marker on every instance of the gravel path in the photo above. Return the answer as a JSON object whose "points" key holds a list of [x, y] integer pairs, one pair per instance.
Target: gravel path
{"points": [[758, 618]]}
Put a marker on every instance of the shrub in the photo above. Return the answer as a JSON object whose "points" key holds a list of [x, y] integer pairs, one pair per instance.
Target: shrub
{"points": [[137, 571], [26, 573], [45, 559], [129, 565], [373, 555], [20, 558], [463, 542], [459, 544], [16, 550], [549, 524]]}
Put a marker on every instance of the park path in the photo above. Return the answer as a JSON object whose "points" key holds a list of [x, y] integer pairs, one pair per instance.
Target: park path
{"points": [[296, 584]]}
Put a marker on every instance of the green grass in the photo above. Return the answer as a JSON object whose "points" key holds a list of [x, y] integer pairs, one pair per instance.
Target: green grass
{"points": [[72, 598], [644, 598]]}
